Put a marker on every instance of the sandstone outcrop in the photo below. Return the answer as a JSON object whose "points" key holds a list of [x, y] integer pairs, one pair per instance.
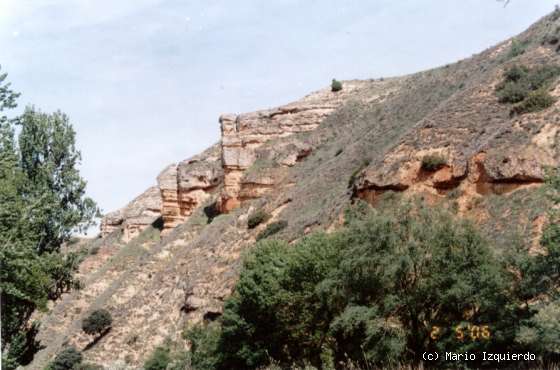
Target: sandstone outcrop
{"points": [[137, 215], [242, 134], [187, 185]]}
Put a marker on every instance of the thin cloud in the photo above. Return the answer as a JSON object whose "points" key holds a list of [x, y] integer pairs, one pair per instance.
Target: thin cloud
{"points": [[144, 81]]}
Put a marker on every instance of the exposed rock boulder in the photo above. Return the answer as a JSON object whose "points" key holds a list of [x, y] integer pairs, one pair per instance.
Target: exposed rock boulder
{"points": [[142, 212], [187, 185]]}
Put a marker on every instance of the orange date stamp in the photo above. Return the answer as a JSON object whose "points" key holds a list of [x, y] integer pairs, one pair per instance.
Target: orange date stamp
{"points": [[464, 332]]}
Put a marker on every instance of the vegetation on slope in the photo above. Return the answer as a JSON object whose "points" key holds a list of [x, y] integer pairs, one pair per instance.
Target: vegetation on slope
{"points": [[384, 289], [527, 88], [42, 201]]}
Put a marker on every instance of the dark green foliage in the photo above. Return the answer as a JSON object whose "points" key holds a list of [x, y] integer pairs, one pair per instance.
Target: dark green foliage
{"points": [[97, 322], [527, 88], [541, 279], [517, 48], [271, 229], [8, 98], [433, 162], [159, 359], [336, 85], [22, 348], [257, 218], [49, 161], [535, 101], [42, 202], [61, 270], [542, 331], [70, 358], [204, 349], [369, 293], [170, 356]]}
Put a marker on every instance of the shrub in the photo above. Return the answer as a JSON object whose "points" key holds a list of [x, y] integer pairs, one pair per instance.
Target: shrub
{"points": [[543, 330], [433, 162], [68, 359], [97, 322], [204, 346], [535, 101], [527, 88], [512, 93], [257, 218], [336, 85], [517, 48], [373, 289], [272, 229], [159, 359]]}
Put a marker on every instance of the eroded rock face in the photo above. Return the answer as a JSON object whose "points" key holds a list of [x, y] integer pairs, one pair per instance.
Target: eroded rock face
{"points": [[137, 215], [243, 134], [187, 185]]}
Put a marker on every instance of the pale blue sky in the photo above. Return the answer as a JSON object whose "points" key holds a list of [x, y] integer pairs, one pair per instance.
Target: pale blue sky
{"points": [[144, 81]]}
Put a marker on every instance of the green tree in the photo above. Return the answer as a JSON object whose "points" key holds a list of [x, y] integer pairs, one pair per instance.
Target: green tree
{"points": [[159, 359], [42, 201], [68, 359], [8, 97], [49, 161], [540, 279], [97, 322], [204, 353], [370, 293]]}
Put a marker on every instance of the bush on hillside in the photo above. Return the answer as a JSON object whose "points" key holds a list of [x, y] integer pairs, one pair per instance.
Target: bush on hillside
{"points": [[517, 48], [527, 88], [97, 322], [257, 218], [433, 162], [271, 229], [542, 332], [369, 293], [336, 85], [159, 359], [68, 359], [535, 101], [204, 348]]}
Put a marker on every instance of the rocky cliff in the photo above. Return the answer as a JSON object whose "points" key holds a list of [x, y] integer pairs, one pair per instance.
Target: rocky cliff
{"points": [[304, 163], [142, 212]]}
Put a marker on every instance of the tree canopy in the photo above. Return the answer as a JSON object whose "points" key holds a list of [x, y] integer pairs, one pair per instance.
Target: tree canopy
{"points": [[42, 202]]}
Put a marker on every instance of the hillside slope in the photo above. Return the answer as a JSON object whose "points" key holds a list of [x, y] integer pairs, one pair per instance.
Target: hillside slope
{"points": [[172, 255]]}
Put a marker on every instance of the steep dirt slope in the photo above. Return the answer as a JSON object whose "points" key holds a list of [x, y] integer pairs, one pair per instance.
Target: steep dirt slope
{"points": [[304, 163]]}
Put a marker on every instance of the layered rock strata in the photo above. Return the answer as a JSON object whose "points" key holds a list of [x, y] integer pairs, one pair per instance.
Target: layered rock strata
{"points": [[187, 185], [142, 212], [242, 134]]}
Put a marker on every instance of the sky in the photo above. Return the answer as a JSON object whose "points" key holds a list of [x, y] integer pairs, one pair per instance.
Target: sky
{"points": [[144, 81]]}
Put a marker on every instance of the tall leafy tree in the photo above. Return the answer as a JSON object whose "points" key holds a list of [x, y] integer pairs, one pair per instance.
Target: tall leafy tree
{"points": [[541, 282], [42, 202], [49, 160]]}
